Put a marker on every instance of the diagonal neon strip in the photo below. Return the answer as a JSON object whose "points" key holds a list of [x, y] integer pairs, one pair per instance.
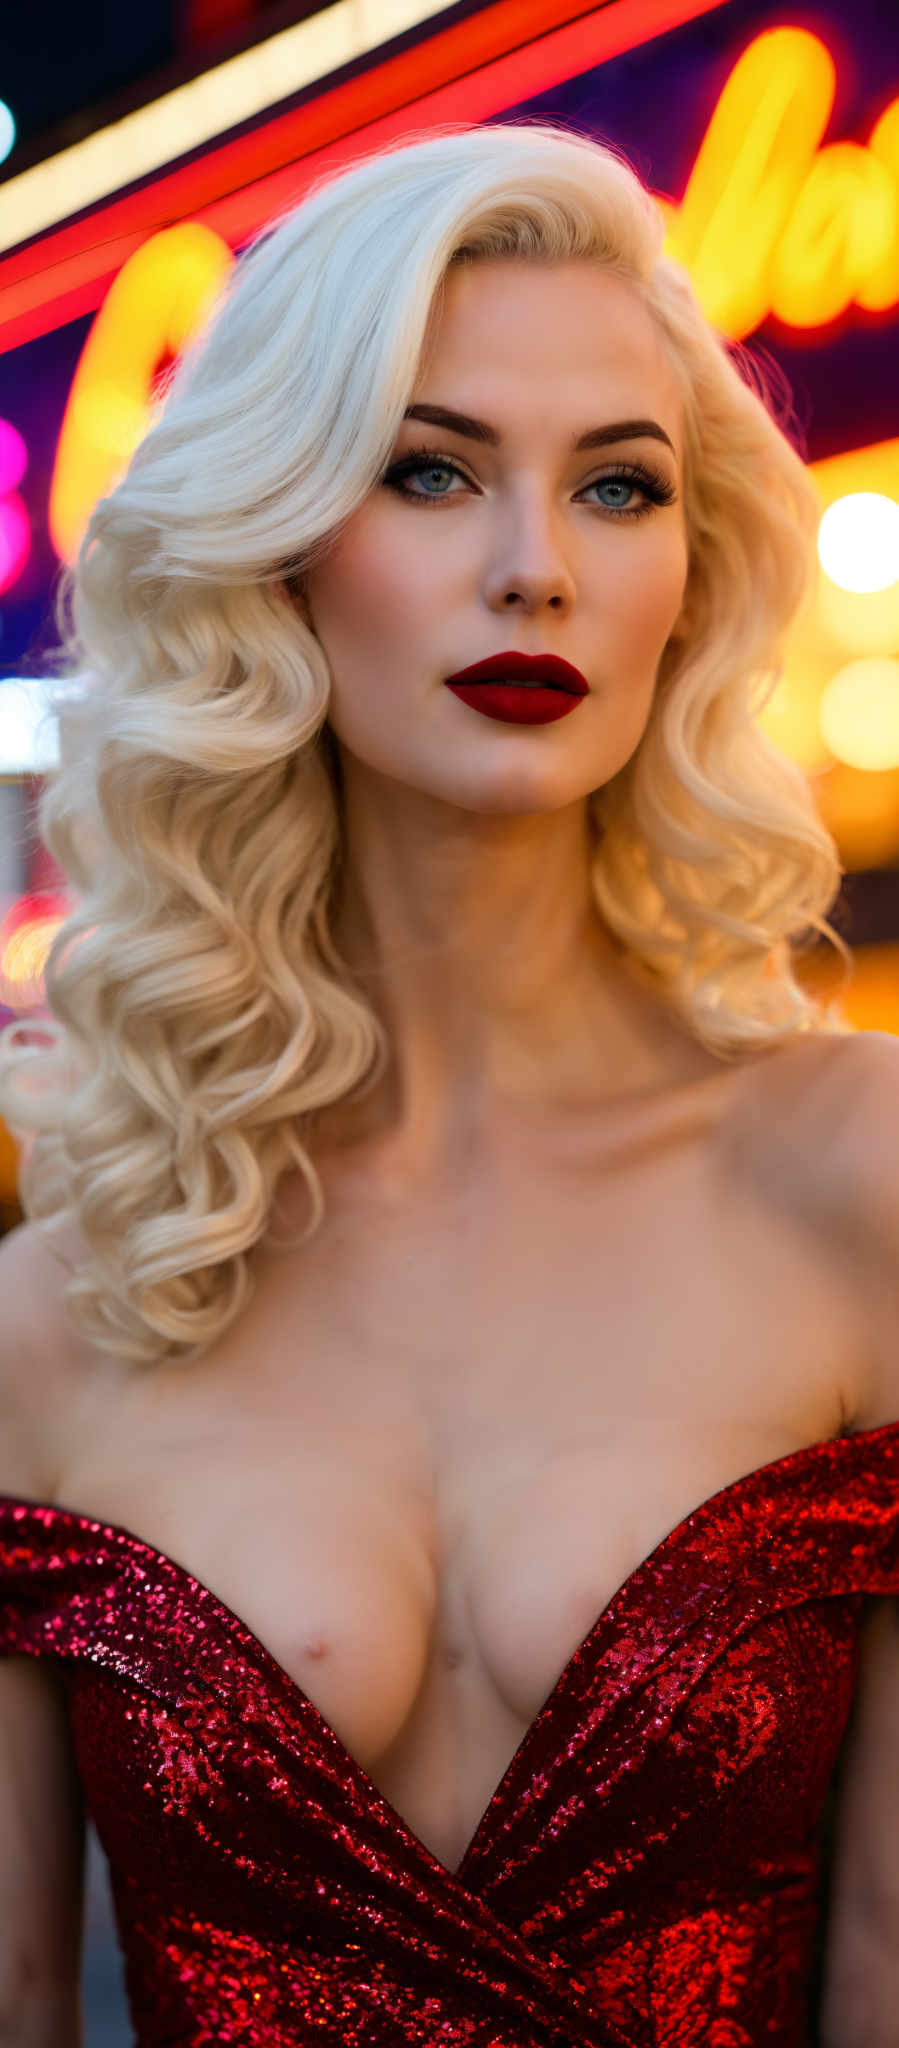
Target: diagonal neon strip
{"points": [[194, 113], [508, 54]]}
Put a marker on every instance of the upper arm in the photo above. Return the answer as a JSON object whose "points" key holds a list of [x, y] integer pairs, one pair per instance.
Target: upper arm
{"points": [[42, 1820], [860, 1991], [869, 1157], [861, 1982], [42, 1839]]}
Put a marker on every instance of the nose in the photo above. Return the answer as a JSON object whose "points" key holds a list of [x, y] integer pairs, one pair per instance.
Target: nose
{"points": [[529, 568]]}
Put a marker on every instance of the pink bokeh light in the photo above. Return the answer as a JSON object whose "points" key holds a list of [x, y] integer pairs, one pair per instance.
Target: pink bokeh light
{"points": [[13, 457], [15, 539]]}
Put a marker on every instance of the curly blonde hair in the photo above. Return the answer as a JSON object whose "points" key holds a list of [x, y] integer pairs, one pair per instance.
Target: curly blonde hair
{"points": [[201, 1013]]}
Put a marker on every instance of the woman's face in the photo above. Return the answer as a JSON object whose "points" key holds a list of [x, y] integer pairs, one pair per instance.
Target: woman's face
{"points": [[520, 543]]}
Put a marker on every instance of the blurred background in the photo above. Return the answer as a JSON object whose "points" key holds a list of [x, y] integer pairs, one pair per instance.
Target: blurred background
{"points": [[141, 147]]}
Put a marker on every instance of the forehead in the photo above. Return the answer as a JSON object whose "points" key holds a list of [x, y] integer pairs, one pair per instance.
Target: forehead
{"points": [[573, 329]]}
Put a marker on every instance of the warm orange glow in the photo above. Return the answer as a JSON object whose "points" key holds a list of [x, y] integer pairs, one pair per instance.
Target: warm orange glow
{"points": [[835, 710], [851, 621], [861, 808], [791, 717], [160, 297], [9, 1173], [859, 621], [872, 1000], [859, 713]]}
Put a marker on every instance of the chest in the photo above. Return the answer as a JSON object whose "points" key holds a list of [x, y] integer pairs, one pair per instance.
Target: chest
{"points": [[448, 1429]]}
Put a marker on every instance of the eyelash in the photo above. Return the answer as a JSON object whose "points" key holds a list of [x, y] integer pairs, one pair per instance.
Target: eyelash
{"points": [[655, 485]]}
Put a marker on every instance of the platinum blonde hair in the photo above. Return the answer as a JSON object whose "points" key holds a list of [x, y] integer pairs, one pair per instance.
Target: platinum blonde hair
{"points": [[201, 1015]]}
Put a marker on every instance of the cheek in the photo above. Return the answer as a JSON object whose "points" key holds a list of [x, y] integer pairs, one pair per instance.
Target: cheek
{"points": [[364, 593], [373, 618], [646, 593]]}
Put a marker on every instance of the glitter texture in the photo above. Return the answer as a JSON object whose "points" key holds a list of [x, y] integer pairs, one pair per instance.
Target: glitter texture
{"points": [[645, 1874]]}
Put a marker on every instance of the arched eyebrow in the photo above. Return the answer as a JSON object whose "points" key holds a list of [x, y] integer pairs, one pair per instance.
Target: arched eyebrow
{"points": [[480, 430]]}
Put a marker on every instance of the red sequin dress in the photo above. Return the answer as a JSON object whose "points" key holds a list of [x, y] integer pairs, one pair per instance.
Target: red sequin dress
{"points": [[645, 1875]]}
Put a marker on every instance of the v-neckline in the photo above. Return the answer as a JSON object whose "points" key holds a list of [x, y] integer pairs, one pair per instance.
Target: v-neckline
{"points": [[365, 1785]]}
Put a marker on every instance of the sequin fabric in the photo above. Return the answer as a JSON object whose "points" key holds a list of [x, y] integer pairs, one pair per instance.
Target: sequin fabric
{"points": [[645, 1875]]}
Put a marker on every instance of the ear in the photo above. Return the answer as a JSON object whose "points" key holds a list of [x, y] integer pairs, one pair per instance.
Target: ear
{"points": [[292, 588]]}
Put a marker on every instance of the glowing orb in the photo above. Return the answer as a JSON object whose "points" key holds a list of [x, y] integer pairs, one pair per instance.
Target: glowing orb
{"points": [[858, 541]]}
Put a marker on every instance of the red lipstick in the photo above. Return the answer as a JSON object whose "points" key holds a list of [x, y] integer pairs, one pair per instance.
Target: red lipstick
{"points": [[520, 689]]}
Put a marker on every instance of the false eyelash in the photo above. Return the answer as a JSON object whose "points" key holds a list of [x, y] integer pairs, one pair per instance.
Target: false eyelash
{"points": [[657, 487]]}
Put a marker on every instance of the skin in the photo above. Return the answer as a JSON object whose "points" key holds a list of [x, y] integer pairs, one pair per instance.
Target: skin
{"points": [[467, 906]]}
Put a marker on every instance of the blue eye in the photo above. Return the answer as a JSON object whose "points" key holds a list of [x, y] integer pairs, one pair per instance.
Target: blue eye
{"points": [[626, 478], [615, 483]]}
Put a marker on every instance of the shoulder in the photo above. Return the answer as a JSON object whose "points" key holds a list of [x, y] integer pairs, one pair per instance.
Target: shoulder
{"points": [[803, 1114], [858, 1106], [834, 1103], [871, 1130], [815, 1127]]}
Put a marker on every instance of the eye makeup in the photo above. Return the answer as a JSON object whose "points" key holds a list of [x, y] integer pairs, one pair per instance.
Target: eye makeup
{"points": [[655, 487]]}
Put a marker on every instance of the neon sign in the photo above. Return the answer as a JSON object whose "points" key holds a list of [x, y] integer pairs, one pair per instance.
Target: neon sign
{"points": [[772, 223], [161, 296]]}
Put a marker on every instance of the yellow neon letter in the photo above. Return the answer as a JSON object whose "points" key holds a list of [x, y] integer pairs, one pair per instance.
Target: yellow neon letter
{"points": [[753, 160], [843, 228], [881, 286], [159, 298]]}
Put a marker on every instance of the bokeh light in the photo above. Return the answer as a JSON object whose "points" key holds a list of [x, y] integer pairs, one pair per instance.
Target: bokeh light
{"points": [[15, 539], [27, 931], [859, 713], [858, 541], [13, 456], [7, 130]]}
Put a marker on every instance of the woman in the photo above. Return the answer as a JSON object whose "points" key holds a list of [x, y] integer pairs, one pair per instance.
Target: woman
{"points": [[412, 1694]]}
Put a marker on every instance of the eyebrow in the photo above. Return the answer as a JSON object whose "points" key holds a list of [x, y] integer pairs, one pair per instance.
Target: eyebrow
{"points": [[596, 437]]}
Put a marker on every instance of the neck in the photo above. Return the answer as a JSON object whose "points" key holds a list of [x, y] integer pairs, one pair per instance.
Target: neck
{"points": [[504, 997]]}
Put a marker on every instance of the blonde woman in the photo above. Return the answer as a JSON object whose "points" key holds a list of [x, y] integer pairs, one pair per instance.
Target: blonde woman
{"points": [[449, 1380]]}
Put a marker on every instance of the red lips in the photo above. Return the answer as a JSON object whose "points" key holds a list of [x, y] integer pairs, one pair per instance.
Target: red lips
{"points": [[549, 669]]}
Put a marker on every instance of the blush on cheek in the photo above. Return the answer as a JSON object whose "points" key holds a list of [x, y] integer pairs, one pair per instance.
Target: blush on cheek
{"points": [[656, 595]]}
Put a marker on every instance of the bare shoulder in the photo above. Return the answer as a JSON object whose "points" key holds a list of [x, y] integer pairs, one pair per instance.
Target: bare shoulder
{"points": [[843, 1124], [35, 1336], [870, 1156], [853, 1102], [870, 1129], [814, 1125], [801, 1113]]}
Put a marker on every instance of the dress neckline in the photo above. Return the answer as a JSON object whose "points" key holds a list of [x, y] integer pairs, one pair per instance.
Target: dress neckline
{"points": [[365, 1785]]}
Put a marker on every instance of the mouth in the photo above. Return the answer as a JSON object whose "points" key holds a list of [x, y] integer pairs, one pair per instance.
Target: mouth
{"points": [[524, 671]]}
